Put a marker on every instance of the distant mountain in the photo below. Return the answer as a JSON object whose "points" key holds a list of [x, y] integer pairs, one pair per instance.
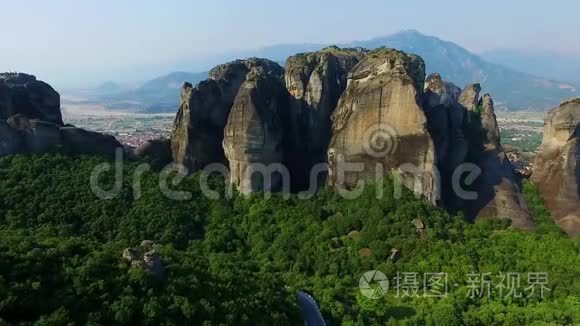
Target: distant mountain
{"points": [[538, 62], [510, 88], [156, 95]]}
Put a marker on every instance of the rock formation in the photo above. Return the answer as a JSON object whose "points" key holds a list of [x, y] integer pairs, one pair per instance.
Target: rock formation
{"points": [[379, 123], [446, 120], [146, 258], [254, 133], [23, 94], [80, 141], [198, 130], [498, 190], [31, 121], [315, 81], [469, 97], [158, 151], [557, 165]]}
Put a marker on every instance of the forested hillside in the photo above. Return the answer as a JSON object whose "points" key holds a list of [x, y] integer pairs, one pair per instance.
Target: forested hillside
{"points": [[241, 260]]}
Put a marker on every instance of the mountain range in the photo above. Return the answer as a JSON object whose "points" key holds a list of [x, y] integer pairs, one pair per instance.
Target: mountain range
{"points": [[515, 82]]}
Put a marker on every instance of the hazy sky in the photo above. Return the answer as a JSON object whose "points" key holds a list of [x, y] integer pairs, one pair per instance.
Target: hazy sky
{"points": [[66, 41]]}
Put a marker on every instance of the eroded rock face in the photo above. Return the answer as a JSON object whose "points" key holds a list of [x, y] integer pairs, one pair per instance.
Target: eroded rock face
{"points": [[156, 150], [197, 136], [498, 190], [315, 81], [556, 167], [37, 136], [10, 140], [80, 141], [489, 123], [254, 133], [23, 94], [446, 121], [379, 121], [440, 92], [469, 97]]}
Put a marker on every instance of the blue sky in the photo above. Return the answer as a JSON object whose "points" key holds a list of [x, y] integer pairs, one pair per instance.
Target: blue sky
{"points": [[69, 41]]}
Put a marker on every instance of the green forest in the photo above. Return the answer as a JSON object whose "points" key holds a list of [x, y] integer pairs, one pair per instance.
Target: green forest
{"points": [[240, 260]]}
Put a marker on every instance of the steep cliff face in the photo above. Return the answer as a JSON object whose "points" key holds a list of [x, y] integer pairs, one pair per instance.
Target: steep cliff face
{"points": [[446, 122], [315, 81], [498, 190], [469, 97], [254, 133], [23, 94], [557, 169], [379, 122], [198, 130]]}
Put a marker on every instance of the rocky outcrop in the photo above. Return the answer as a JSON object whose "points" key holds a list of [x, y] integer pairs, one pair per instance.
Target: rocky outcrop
{"points": [[498, 190], [146, 258], [23, 94], [37, 136], [80, 141], [379, 122], [557, 165], [315, 81], [31, 121], [198, 130], [469, 97], [491, 136], [10, 140], [158, 151], [254, 133], [440, 92], [446, 122]]}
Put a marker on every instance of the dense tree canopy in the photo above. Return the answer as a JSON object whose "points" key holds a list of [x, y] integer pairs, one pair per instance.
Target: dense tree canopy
{"points": [[240, 260]]}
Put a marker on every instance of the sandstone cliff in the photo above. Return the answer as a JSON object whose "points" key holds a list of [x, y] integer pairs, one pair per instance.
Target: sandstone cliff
{"points": [[379, 121], [469, 97], [315, 81], [557, 169], [498, 190], [254, 133], [198, 130], [446, 121]]}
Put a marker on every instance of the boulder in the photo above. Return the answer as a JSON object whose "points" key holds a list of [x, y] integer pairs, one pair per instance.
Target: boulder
{"points": [[557, 165], [158, 151], [379, 122], [23, 94], [153, 264], [254, 133], [198, 131], [80, 141], [315, 81]]}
